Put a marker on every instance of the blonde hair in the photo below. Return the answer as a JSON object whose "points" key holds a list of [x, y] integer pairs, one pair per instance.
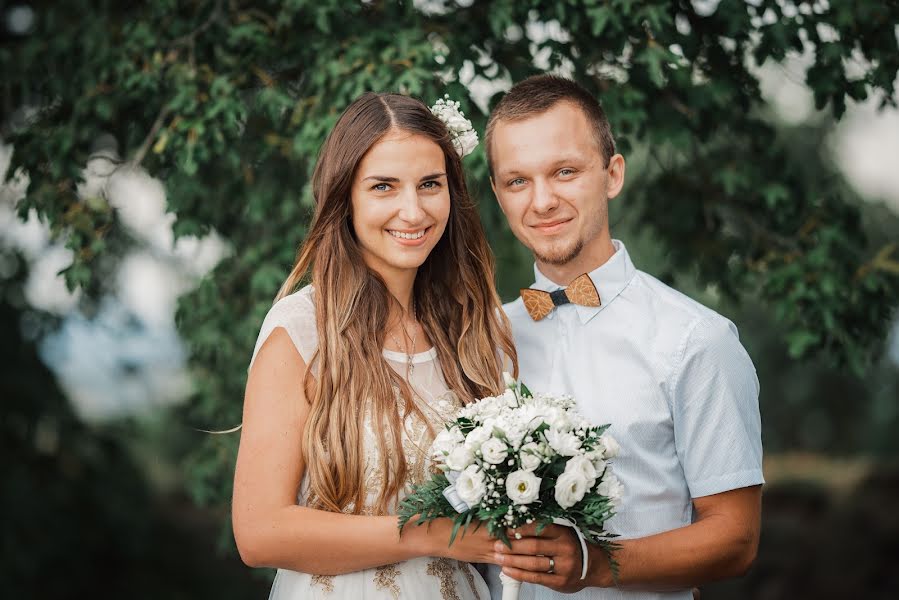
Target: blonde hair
{"points": [[454, 296]]}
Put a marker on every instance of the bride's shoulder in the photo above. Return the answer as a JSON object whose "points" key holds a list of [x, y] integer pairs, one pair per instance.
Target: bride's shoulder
{"points": [[295, 314], [299, 303]]}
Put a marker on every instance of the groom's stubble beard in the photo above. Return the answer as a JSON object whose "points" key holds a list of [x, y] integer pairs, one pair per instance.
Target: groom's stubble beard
{"points": [[563, 256]]}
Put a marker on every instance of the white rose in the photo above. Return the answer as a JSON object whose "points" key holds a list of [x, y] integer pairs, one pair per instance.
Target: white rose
{"points": [[476, 437], [563, 442], [470, 485], [459, 458], [611, 488], [582, 465], [570, 488], [530, 457], [494, 451], [522, 487], [610, 446], [466, 142]]}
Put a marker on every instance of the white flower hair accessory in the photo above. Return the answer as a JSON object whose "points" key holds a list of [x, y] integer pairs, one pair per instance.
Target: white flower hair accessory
{"points": [[465, 138]]}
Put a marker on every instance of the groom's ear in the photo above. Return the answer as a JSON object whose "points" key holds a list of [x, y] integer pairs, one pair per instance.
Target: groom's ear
{"points": [[615, 172]]}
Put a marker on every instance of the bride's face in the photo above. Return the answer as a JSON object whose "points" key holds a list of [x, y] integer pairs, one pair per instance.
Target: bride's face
{"points": [[400, 202]]}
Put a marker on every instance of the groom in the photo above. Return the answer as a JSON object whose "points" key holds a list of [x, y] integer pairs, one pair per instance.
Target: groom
{"points": [[669, 374]]}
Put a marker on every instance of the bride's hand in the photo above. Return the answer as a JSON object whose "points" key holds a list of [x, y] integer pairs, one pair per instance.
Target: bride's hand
{"points": [[473, 545]]}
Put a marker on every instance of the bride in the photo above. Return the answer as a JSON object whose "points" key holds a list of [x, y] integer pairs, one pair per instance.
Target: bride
{"points": [[353, 375]]}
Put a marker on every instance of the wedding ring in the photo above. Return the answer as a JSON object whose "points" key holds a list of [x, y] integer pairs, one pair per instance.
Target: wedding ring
{"points": [[552, 565]]}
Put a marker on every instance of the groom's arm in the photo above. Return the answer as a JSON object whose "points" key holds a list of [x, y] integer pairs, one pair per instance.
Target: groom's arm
{"points": [[721, 543]]}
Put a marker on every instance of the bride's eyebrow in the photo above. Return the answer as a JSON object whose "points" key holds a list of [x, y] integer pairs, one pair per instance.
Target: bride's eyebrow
{"points": [[432, 176], [382, 178]]}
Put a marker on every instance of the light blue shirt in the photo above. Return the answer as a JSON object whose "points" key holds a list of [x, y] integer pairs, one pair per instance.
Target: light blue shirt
{"points": [[672, 379]]}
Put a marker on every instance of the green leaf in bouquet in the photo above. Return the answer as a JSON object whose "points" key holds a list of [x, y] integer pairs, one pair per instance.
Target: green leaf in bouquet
{"points": [[601, 429], [610, 548], [458, 521], [465, 424], [427, 501], [524, 391]]}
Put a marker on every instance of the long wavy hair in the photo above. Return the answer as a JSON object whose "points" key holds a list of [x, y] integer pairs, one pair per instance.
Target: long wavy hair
{"points": [[454, 296]]}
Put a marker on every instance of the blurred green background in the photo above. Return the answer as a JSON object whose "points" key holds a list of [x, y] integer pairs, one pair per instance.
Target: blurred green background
{"points": [[155, 160]]}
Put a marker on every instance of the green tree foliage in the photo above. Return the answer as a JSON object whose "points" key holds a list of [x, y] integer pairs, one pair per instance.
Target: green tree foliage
{"points": [[80, 520], [228, 102]]}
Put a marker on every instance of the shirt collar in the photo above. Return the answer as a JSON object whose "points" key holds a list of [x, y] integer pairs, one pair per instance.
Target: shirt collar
{"points": [[610, 279]]}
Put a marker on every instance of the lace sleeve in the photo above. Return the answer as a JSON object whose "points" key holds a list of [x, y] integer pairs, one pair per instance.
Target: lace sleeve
{"points": [[296, 315]]}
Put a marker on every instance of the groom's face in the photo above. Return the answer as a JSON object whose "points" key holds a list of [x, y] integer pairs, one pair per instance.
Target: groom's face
{"points": [[552, 183]]}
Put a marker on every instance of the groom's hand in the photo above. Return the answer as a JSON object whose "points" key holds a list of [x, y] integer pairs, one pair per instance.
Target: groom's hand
{"points": [[528, 559]]}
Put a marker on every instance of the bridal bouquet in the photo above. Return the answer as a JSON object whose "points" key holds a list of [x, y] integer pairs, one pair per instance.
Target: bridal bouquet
{"points": [[517, 459]]}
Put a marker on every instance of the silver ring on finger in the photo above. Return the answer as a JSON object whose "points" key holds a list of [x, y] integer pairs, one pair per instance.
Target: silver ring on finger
{"points": [[552, 566]]}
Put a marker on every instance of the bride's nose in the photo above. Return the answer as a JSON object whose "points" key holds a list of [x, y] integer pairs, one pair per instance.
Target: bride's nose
{"points": [[411, 210]]}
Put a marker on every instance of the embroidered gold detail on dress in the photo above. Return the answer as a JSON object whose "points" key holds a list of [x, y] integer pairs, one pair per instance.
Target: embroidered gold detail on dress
{"points": [[325, 582], [466, 570], [443, 569], [385, 579]]}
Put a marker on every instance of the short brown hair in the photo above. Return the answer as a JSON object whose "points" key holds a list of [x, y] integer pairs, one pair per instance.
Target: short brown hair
{"points": [[539, 93]]}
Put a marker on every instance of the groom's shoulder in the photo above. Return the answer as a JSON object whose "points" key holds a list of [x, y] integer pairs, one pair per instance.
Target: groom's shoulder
{"points": [[678, 309]]}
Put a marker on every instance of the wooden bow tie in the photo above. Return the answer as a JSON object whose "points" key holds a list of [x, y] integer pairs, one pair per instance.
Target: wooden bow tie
{"points": [[581, 291]]}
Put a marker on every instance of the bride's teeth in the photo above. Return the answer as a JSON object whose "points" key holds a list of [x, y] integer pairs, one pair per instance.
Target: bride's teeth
{"points": [[407, 236]]}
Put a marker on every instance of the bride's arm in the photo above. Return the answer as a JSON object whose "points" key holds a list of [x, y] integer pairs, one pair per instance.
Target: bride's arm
{"points": [[270, 529]]}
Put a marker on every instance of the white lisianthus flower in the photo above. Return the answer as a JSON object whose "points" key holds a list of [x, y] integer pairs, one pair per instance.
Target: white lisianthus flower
{"points": [[459, 458], [610, 446], [494, 451], [563, 442], [611, 488], [582, 465], [558, 418], [470, 485], [476, 437], [570, 488], [522, 487], [489, 410], [445, 441], [530, 457], [596, 457]]}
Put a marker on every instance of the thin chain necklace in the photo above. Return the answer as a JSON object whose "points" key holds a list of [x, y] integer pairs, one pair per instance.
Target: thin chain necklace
{"points": [[410, 367]]}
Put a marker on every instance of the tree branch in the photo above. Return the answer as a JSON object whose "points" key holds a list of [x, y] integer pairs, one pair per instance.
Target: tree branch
{"points": [[157, 125], [188, 39]]}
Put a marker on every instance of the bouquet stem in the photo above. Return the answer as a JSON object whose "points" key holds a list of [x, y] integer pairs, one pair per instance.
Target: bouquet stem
{"points": [[511, 587]]}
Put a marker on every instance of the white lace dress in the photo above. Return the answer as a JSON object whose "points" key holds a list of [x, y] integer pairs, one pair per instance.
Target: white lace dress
{"points": [[419, 578]]}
